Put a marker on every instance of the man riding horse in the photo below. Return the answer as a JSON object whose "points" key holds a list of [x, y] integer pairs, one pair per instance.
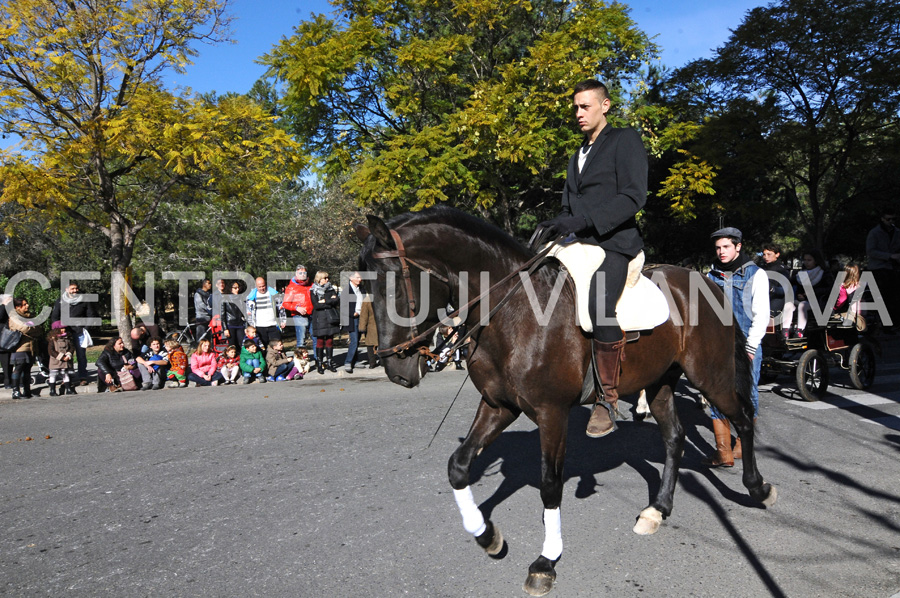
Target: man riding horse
{"points": [[606, 186]]}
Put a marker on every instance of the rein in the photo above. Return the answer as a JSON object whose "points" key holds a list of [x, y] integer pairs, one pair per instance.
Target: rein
{"points": [[530, 266]]}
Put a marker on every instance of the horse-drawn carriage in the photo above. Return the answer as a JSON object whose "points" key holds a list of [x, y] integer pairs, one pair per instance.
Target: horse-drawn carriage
{"points": [[842, 342]]}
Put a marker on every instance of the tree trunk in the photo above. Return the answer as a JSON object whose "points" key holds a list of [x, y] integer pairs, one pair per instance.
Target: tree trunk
{"points": [[120, 257]]}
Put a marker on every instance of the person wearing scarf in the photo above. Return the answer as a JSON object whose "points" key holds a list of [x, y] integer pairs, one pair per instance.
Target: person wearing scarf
{"points": [[265, 312], [80, 311], [813, 277], [746, 286], [326, 320]]}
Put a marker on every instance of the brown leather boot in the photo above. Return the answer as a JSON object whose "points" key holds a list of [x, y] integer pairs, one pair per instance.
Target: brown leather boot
{"points": [[723, 456], [736, 452], [609, 360]]}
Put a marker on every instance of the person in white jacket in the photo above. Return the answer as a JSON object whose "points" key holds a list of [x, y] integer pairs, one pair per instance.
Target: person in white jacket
{"points": [[746, 287]]}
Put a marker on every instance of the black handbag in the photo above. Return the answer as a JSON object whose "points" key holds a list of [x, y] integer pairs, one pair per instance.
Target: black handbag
{"points": [[9, 339], [334, 315]]}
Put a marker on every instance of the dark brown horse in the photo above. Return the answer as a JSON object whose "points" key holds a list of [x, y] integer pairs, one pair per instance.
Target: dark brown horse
{"points": [[520, 366]]}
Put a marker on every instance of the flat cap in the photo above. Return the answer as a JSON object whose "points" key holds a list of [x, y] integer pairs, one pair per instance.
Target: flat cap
{"points": [[728, 231]]}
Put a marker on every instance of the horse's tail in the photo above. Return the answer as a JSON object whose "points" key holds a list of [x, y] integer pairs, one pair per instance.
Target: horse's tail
{"points": [[743, 374]]}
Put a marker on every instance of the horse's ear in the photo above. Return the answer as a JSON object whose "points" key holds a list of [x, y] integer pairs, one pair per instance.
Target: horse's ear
{"points": [[362, 232], [382, 233]]}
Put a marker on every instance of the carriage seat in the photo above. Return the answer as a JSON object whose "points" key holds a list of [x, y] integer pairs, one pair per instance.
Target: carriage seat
{"points": [[642, 305]]}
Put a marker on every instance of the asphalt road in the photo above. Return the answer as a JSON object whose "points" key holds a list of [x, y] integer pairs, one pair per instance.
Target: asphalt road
{"points": [[327, 487]]}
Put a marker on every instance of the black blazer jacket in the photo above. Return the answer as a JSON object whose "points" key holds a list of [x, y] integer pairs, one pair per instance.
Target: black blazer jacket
{"points": [[610, 190]]}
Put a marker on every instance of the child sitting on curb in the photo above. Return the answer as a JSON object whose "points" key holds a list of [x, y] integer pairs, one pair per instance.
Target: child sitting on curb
{"points": [[177, 365], [252, 362], [280, 366], [230, 365]]}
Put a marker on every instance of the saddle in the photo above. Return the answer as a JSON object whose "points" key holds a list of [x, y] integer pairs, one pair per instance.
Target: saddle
{"points": [[642, 305]]}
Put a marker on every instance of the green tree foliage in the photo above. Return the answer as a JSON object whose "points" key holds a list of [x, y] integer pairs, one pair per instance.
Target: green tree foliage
{"points": [[420, 102], [103, 144], [801, 110], [326, 226]]}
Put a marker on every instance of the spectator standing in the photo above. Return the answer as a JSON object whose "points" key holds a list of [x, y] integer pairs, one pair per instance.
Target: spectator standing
{"points": [[203, 307], [61, 350], [218, 293], [22, 356], [265, 312], [369, 332], [354, 306], [233, 320], [5, 300], [77, 310], [326, 320], [747, 288], [772, 263], [297, 303], [883, 252]]}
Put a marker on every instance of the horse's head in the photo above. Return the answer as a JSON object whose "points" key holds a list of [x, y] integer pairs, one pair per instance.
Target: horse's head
{"points": [[405, 298]]}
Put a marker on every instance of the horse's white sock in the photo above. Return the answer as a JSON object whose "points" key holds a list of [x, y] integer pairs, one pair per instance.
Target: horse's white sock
{"points": [[553, 544], [473, 520]]}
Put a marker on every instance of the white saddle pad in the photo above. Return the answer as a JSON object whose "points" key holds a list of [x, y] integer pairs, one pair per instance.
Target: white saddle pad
{"points": [[642, 305]]}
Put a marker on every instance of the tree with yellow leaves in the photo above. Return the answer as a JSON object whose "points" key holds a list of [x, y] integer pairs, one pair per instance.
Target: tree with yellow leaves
{"points": [[466, 103], [100, 139]]}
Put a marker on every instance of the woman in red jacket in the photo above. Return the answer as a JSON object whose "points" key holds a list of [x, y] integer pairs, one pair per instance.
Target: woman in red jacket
{"points": [[297, 302]]}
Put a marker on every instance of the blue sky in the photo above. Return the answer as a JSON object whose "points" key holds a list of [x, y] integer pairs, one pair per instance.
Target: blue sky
{"points": [[685, 29]]}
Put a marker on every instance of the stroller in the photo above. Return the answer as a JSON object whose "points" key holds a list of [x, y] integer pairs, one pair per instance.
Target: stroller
{"points": [[219, 342], [40, 373]]}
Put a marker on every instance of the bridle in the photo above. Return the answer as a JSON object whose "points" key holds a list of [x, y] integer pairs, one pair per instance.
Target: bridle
{"points": [[407, 346]]}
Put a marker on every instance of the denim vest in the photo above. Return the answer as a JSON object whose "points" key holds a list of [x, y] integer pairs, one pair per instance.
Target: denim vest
{"points": [[738, 288]]}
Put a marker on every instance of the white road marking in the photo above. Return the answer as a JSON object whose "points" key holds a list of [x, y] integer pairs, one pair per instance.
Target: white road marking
{"points": [[888, 421], [857, 400]]}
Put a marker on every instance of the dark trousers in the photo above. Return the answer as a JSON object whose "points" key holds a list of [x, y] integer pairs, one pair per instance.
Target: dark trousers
{"points": [[606, 288], [21, 376], [267, 334], [236, 337], [7, 373], [81, 357], [200, 330], [201, 381]]}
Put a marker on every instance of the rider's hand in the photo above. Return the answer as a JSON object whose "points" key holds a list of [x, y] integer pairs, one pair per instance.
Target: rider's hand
{"points": [[559, 226]]}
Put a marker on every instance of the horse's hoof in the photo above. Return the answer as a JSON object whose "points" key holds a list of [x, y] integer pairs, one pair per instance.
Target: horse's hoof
{"points": [[541, 576], [539, 584], [491, 540], [648, 522], [766, 494]]}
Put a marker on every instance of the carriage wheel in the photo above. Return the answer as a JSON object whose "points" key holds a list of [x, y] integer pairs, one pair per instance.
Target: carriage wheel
{"points": [[812, 375], [862, 366]]}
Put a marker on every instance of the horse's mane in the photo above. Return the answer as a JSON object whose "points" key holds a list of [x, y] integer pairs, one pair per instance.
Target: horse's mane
{"points": [[486, 232]]}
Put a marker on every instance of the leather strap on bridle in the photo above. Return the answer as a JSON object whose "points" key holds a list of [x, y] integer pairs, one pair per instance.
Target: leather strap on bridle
{"points": [[400, 253], [531, 265]]}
